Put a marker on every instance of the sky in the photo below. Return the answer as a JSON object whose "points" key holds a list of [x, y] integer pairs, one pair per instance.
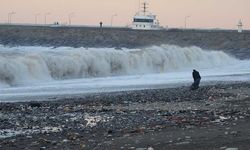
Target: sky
{"points": [[171, 13]]}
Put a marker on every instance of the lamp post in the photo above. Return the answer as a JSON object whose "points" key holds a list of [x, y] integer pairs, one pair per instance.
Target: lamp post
{"points": [[186, 17], [45, 17], [112, 17], [36, 15], [240, 25], [139, 5], [10, 16], [70, 16]]}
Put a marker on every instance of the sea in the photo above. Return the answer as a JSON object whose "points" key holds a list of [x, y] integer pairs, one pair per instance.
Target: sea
{"points": [[34, 73]]}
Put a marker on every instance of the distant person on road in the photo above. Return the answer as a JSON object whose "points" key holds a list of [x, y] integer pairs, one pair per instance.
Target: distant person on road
{"points": [[197, 79], [101, 24]]}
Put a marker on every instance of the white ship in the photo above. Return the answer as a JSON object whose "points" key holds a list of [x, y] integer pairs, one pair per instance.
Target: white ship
{"points": [[144, 20]]}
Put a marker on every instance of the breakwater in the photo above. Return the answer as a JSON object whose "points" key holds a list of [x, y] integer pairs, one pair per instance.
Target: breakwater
{"points": [[237, 44]]}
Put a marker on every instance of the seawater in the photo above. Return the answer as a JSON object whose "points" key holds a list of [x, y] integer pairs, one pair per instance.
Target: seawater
{"points": [[42, 72]]}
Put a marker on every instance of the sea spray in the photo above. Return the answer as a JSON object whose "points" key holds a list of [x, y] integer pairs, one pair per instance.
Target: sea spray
{"points": [[25, 65]]}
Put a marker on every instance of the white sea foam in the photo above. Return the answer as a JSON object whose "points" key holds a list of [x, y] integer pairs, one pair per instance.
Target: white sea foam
{"points": [[6, 133], [27, 65], [43, 73]]}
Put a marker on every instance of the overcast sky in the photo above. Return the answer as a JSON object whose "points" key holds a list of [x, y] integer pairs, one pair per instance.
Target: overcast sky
{"points": [[204, 13]]}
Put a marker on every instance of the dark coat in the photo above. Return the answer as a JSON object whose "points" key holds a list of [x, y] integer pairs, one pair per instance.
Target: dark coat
{"points": [[196, 75], [197, 79]]}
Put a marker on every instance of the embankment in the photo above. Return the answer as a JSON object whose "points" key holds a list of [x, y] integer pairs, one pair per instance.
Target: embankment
{"points": [[237, 44]]}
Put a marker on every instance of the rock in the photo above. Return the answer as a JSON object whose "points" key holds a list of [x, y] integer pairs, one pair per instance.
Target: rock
{"points": [[183, 143], [66, 109], [35, 104], [110, 131], [29, 137], [234, 133], [82, 146], [232, 149], [34, 143], [54, 143], [72, 136], [44, 140], [150, 148], [224, 147]]}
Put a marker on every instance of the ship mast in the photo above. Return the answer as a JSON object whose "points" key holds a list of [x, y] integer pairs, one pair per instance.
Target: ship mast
{"points": [[145, 7]]}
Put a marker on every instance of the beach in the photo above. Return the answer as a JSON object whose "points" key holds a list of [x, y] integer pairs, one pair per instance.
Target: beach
{"points": [[116, 88], [215, 116]]}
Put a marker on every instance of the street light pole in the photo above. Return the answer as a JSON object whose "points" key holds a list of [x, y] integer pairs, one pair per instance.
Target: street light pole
{"points": [[10, 16], [45, 17], [112, 17], [36, 15], [70, 16], [139, 5], [186, 17]]}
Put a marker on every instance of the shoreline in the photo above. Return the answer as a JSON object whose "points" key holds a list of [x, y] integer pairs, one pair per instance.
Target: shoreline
{"points": [[172, 118], [121, 91]]}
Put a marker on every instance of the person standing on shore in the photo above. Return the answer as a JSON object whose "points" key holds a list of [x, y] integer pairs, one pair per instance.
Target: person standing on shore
{"points": [[197, 79]]}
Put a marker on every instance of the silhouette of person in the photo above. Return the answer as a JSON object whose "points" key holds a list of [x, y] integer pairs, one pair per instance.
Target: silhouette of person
{"points": [[197, 79], [101, 24]]}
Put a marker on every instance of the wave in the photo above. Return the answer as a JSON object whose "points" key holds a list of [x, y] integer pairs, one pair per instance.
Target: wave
{"points": [[26, 65]]}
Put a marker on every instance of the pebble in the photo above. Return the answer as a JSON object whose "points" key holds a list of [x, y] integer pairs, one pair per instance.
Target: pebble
{"points": [[235, 133], [183, 143], [66, 109], [83, 146], [128, 121], [232, 149], [29, 137], [54, 143], [141, 149], [65, 140]]}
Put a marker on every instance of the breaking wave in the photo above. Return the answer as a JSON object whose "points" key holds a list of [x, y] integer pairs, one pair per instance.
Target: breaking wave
{"points": [[24, 65]]}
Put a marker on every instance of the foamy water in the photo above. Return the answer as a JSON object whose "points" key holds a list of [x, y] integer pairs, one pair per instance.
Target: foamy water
{"points": [[43, 73]]}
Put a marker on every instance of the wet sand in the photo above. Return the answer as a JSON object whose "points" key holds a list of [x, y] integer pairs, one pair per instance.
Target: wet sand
{"points": [[212, 117]]}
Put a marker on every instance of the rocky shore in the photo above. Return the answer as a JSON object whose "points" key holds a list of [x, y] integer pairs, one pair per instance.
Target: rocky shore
{"points": [[212, 117], [230, 41]]}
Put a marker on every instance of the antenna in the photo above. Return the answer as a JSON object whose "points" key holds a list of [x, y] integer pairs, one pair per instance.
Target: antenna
{"points": [[145, 7]]}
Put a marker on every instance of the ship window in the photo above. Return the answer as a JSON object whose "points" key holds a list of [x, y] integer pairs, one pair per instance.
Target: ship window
{"points": [[143, 20]]}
